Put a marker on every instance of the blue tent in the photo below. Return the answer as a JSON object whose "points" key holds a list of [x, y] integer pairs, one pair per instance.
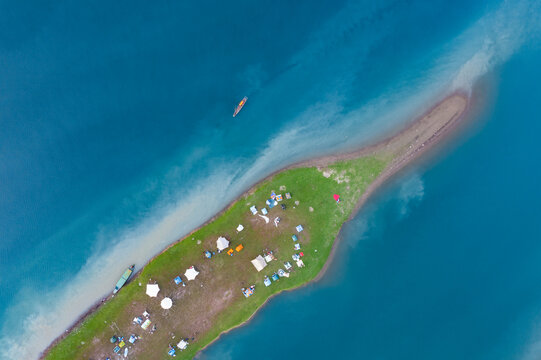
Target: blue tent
{"points": [[178, 280], [267, 281], [171, 352], [208, 254], [275, 276], [294, 237]]}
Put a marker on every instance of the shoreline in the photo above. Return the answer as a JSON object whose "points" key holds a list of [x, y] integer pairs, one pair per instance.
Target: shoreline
{"points": [[398, 163], [394, 168]]}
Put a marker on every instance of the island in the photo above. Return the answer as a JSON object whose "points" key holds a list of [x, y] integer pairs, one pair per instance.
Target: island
{"points": [[277, 236]]}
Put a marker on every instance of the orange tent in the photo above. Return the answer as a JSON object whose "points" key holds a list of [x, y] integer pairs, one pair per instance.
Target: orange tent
{"points": [[239, 248], [230, 252]]}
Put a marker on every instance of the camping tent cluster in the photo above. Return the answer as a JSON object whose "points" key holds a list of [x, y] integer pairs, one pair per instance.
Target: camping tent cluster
{"points": [[261, 262], [166, 303], [223, 244], [182, 345]]}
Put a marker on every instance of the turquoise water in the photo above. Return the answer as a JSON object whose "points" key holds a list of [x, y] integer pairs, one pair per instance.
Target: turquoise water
{"points": [[117, 139], [443, 263]]}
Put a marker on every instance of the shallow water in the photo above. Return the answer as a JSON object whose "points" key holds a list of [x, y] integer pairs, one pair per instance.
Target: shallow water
{"points": [[442, 263], [117, 136]]}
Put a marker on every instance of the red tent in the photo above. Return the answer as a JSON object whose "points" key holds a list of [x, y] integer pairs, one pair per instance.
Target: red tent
{"points": [[336, 197]]}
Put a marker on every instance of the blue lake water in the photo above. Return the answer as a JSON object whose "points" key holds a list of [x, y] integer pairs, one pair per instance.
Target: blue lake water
{"points": [[443, 263], [117, 139]]}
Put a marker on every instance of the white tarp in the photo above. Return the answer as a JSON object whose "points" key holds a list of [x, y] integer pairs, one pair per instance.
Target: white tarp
{"points": [[191, 273], [182, 345], [146, 324], [259, 263], [166, 303], [153, 290], [222, 243]]}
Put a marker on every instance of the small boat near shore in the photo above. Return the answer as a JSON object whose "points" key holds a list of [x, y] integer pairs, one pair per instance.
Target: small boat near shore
{"points": [[240, 105], [123, 279]]}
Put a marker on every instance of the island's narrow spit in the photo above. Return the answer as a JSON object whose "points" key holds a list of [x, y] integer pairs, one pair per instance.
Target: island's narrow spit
{"points": [[218, 276]]}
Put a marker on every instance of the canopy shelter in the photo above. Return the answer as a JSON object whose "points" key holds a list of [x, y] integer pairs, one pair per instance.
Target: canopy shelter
{"points": [[166, 303], [153, 290], [259, 263], [182, 345], [191, 273], [222, 243]]}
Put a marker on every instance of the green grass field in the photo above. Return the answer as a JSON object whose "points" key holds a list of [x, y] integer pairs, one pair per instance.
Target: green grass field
{"points": [[213, 302]]}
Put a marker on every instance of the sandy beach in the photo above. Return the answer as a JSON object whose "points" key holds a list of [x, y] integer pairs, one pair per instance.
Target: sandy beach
{"points": [[403, 147]]}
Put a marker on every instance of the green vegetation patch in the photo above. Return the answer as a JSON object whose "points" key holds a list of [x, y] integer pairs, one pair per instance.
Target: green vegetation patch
{"points": [[213, 302]]}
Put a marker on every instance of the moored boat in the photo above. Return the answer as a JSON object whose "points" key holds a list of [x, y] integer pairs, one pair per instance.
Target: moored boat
{"points": [[123, 278]]}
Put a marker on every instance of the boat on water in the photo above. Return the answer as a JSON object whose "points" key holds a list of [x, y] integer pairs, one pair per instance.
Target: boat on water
{"points": [[123, 278], [240, 105]]}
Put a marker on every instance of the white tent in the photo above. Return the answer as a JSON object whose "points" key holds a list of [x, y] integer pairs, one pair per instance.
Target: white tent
{"points": [[153, 290], [240, 228], [191, 273], [182, 345], [166, 303], [222, 243], [259, 263]]}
